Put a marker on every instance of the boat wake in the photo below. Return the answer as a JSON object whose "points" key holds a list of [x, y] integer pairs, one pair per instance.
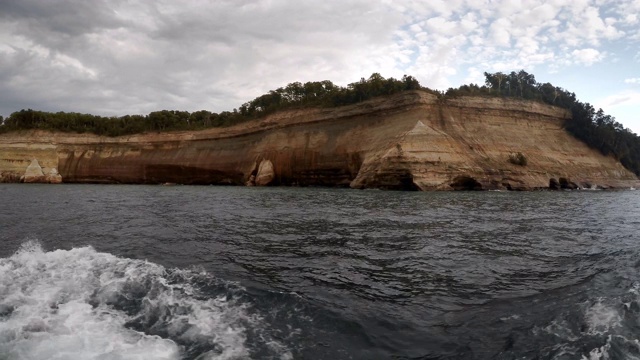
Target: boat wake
{"points": [[84, 304]]}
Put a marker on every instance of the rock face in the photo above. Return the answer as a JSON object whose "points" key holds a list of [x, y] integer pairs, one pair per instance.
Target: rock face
{"points": [[35, 174], [409, 141], [265, 173], [53, 177], [17, 154]]}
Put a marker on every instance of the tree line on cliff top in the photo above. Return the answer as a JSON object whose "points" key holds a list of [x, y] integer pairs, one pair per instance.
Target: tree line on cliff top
{"points": [[295, 95], [596, 129]]}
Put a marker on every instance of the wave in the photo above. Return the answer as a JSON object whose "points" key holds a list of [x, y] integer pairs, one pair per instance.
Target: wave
{"points": [[84, 304], [596, 329]]}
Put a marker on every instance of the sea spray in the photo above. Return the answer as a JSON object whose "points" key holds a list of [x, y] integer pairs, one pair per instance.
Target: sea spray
{"points": [[83, 304]]}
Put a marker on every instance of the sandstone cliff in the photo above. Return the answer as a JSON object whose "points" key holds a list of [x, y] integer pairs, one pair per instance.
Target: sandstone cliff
{"points": [[407, 141]]}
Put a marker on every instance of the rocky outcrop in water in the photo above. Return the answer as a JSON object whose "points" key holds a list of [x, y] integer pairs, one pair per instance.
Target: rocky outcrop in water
{"points": [[408, 141]]}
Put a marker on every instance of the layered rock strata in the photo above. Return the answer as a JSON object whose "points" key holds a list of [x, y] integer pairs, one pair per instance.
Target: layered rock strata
{"points": [[409, 141]]}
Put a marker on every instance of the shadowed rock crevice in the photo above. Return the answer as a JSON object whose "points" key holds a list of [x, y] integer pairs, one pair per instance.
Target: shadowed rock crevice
{"points": [[189, 175], [465, 183], [508, 183], [398, 179], [566, 184]]}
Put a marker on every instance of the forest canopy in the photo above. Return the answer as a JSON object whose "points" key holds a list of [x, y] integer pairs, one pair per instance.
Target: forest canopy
{"points": [[295, 95], [594, 127]]}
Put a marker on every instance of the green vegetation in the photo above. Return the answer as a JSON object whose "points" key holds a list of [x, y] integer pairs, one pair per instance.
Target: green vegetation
{"points": [[294, 95], [518, 159], [593, 127], [598, 130]]}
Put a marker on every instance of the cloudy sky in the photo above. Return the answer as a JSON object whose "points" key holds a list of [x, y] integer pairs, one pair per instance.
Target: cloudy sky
{"points": [[117, 57]]}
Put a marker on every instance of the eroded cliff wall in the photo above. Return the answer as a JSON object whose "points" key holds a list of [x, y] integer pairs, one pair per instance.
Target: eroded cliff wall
{"points": [[407, 141]]}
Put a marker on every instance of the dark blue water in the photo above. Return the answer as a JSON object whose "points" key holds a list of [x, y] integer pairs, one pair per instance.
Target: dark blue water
{"points": [[178, 272]]}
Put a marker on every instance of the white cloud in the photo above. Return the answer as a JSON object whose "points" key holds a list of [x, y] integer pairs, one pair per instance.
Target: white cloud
{"points": [[633, 81], [191, 55], [441, 26], [587, 27], [623, 98], [587, 56], [500, 32], [468, 23], [115, 56], [624, 107], [630, 18]]}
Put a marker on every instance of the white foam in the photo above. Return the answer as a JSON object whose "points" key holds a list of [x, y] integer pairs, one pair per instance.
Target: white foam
{"points": [[600, 353], [630, 348], [58, 305], [602, 318], [512, 317]]}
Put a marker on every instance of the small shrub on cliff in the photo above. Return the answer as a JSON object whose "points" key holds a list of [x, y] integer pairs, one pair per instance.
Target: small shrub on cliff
{"points": [[518, 159]]}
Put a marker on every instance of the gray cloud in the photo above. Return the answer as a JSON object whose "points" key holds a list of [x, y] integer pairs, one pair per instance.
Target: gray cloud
{"points": [[67, 18], [114, 57]]}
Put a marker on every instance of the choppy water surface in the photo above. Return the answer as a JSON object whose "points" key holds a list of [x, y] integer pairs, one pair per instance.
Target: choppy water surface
{"points": [[152, 272]]}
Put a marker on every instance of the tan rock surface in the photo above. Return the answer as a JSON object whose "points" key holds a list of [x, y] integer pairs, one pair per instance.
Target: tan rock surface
{"points": [[407, 141], [53, 177], [265, 173], [34, 173]]}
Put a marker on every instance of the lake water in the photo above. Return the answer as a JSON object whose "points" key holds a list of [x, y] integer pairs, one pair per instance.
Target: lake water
{"points": [[181, 272]]}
